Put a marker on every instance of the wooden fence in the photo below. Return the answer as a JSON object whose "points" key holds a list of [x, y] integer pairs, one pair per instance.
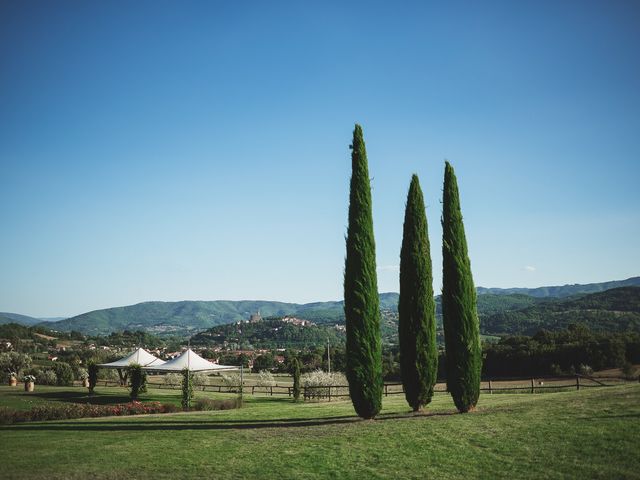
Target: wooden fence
{"points": [[329, 392]]}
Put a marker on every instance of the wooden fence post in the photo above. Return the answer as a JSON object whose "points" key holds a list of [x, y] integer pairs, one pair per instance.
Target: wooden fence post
{"points": [[577, 382], [490, 391], [386, 391], [532, 390]]}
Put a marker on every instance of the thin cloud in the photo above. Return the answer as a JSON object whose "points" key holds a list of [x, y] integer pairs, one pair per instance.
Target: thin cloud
{"points": [[529, 268]]}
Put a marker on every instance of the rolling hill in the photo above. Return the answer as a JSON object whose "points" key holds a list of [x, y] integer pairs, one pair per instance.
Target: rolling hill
{"points": [[190, 317], [615, 310], [6, 317], [563, 290]]}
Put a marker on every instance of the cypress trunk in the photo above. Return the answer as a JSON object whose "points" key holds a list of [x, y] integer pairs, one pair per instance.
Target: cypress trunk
{"points": [[361, 302], [416, 306], [460, 317]]}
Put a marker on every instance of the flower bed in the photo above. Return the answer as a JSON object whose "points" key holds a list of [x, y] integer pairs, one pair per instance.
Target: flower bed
{"points": [[74, 410]]}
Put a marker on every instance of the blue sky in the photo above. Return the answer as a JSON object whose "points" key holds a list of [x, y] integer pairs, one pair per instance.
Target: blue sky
{"points": [[199, 150]]}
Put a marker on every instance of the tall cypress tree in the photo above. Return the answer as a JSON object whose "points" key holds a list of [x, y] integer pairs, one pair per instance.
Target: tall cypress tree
{"points": [[361, 302], [416, 306], [460, 317], [296, 379]]}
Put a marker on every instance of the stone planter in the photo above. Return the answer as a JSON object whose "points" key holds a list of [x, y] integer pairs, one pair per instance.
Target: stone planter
{"points": [[29, 386], [13, 382]]}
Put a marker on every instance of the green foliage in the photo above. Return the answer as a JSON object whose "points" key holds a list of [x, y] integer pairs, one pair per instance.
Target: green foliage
{"points": [[361, 302], [135, 338], [44, 376], [628, 370], [269, 333], [296, 379], [63, 412], [14, 362], [559, 352], [187, 389], [319, 384], [264, 362], [460, 317], [616, 310], [64, 372], [416, 306], [137, 381], [265, 379], [93, 376]]}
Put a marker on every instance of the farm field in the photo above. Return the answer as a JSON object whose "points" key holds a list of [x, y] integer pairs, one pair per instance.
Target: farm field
{"points": [[591, 433]]}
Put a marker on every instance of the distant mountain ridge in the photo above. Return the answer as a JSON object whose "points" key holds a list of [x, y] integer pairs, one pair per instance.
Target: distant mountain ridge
{"points": [[189, 317], [7, 317], [563, 290]]}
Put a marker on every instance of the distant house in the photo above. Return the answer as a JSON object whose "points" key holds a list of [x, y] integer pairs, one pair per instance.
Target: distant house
{"points": [[256, 317]]}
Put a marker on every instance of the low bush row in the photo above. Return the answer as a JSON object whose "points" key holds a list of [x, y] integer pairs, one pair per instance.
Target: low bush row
{"points": [[74, 410]]}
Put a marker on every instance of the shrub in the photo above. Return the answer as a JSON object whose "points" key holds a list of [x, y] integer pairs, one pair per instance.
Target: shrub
{"points": [[200, 379], [108, 374], [172, 379], [628, 370], [69, 411], [232, 382], [556, 370], [585, 370], [64, 372], [138, 379], [14, 362], [316, 384], [47, 377], [82, 373], [265, 379]]}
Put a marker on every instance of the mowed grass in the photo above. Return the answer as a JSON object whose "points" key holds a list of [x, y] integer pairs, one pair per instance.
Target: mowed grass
{"points": [[17, 398], [591, 433]]}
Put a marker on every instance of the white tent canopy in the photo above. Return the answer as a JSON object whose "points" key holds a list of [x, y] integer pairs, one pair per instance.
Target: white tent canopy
{"points": [[140, 357], [191, 360]]}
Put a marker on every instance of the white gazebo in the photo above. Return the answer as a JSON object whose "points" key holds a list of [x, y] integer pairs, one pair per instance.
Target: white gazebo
{"points": [[191, 361], [139, 357]]}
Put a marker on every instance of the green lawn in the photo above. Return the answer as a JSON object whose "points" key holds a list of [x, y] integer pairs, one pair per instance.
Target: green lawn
{"points": [[592, 433], [16, 397]]}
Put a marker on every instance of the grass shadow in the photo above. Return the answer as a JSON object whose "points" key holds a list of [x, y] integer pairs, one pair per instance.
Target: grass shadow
{"points": [[175, 423], [81, 397]]}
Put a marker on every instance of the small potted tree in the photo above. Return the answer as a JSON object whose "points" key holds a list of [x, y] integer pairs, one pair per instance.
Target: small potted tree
{"points": [[13, 379], [29, 383]]}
